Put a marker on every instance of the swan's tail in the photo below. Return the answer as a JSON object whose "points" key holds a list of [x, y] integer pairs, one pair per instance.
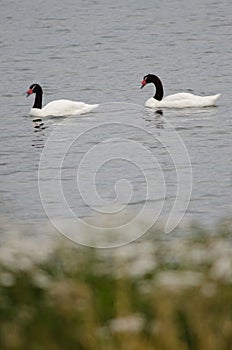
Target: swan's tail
{"points": [[88, 108], [215, 98], [208, 101]]}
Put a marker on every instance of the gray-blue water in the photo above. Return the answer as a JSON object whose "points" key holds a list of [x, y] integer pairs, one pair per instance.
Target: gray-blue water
{"points": [[98, 52]]}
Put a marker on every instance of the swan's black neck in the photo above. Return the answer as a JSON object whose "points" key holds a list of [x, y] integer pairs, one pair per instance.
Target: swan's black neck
{"points": [[38, 99], [159, 93]]}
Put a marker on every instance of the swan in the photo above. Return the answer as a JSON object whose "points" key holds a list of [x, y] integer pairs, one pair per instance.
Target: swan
{"points": [[55, 108], [179, 100]]}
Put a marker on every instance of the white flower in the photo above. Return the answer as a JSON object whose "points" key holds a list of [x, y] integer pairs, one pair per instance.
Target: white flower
{"points": [[41, 279], [222, 268], [176, 280], [132, 323]]}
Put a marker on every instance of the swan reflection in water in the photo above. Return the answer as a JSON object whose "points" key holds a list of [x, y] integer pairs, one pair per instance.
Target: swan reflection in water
{"points": [[38, 123], [39, 127], [156, 119]]}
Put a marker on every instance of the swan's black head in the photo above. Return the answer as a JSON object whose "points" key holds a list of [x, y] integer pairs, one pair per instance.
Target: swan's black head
{"points": [[152, 78], [147, 79], [33, 89]]}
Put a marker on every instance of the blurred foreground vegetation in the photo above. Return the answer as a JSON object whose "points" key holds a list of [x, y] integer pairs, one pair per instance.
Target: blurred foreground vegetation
{"points": [[164, 292]]}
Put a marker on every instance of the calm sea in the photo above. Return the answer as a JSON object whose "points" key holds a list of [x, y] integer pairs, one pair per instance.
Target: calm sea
{"points": [[122, 155]]}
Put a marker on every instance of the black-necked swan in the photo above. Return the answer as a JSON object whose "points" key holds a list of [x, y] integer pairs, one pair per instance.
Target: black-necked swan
{"points": [[56, 108], [179, 100]]}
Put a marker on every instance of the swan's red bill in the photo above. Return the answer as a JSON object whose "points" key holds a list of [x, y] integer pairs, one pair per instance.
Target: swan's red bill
{"points": [[29, 92], [143, 83]]}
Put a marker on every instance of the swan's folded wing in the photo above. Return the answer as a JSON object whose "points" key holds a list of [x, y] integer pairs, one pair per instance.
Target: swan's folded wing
{"points": [[66, 108]]}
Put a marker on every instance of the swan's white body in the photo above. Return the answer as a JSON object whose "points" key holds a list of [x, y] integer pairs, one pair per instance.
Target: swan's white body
{"points": [[62, 108], [57, 108], [182, 100], [179, 100]]}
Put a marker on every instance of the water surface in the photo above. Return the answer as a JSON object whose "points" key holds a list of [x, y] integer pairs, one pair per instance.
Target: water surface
{"points": [[98, 52]]}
